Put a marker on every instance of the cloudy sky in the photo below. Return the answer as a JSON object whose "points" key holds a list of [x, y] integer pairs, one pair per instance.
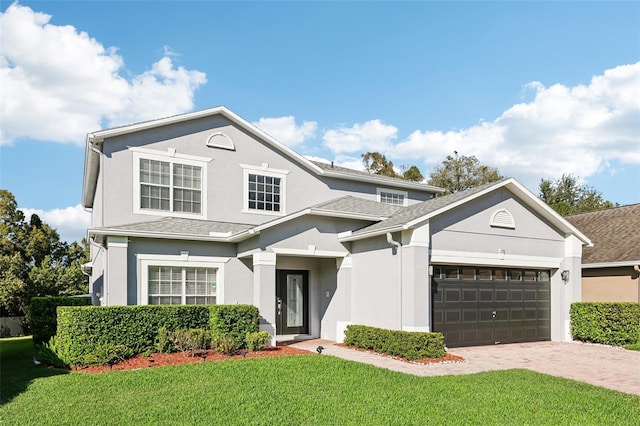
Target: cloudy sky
{"points": [[536, 89]]}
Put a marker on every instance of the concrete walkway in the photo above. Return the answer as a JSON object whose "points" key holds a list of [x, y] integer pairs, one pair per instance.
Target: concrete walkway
{"points": [[605, 366]]}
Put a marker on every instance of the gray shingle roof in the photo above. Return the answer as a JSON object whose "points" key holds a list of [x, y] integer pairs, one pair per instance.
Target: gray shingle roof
{"points": [[181, 226], [615, 234], [416, 211], [355, 205]]}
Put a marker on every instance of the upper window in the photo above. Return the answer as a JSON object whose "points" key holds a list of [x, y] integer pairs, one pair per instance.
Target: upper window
{"points": [[173, 185], [392, 196], [264, 190]]}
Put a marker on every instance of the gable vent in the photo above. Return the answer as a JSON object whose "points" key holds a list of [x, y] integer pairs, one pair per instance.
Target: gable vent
{"points": [[503, 219], [221, 140]]}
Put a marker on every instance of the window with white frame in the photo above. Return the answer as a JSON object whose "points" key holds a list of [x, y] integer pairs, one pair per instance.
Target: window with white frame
{"points": [[169, 182], [180, 279], [264, 190], [179, 285], [392, 196]]}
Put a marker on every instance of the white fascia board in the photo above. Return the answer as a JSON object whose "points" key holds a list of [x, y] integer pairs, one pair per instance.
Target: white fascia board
{"points": [[454, 257], [347, 215], [309, 252], [344, 237], [217, 237], [611, 264]]}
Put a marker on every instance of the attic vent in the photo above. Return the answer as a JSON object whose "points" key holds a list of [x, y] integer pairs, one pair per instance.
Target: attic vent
{"points": [[221, 140], [503, 219]]}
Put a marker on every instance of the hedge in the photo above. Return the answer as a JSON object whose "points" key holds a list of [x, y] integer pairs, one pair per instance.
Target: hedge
{"points": [[407, 344], [81, 330], [609, 323], [42, 316]]}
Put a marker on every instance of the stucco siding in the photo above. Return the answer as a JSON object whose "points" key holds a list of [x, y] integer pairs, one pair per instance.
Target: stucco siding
{"points": [[610, 285]]}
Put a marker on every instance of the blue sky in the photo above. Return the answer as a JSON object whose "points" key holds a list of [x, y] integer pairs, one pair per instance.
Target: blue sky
{"points": [[536, 89]]}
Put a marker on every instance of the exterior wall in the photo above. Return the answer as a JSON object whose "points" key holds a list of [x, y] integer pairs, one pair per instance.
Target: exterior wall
{"points": [[620, 284], [224, 195]]}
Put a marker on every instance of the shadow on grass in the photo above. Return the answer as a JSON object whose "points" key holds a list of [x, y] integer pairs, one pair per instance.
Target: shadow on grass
{"points": [[17, 368]]}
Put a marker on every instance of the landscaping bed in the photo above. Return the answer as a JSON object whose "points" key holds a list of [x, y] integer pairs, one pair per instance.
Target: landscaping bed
{"points": [[163, 359]]}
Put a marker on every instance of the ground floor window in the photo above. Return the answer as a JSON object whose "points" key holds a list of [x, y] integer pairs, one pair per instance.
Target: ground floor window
{"points": [[180, 285]]}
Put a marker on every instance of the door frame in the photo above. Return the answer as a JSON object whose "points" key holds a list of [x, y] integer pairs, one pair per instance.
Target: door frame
{"points": [[280, 299]]}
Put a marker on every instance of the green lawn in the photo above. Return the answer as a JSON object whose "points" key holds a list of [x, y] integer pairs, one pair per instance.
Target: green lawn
{"points": [[296, 390]]}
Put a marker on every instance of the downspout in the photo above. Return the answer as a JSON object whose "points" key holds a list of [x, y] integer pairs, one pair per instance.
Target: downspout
{"points": [[398, 247]]}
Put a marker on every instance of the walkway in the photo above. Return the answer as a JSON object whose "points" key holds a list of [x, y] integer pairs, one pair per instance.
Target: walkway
{"points": [[605, 366]]}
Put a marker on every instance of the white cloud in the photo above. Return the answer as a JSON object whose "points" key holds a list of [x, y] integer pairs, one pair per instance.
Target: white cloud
{"points": [[58, 83], [286, 131], [579, 130], [70, 222], [370, 136]]}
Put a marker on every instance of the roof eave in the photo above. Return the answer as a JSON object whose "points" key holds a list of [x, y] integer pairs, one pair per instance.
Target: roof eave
{"points": [[158, 235], [617, 264], [380, 180]]}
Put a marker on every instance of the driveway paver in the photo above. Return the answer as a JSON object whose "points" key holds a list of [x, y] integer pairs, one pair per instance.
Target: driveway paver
{"points": [[599, 365]]}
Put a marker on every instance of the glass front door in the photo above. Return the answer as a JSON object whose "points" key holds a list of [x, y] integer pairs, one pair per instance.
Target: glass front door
{"points": [[292, 301]]}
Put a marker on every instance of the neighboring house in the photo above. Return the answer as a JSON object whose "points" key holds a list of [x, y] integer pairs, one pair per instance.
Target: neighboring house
{"points": [[610, 268], [206, 208]]}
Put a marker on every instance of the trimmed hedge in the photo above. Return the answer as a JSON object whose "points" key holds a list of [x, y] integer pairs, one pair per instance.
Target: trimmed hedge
{"points": [[407, 344], [42, 316], [234, 321], [609, 323]]}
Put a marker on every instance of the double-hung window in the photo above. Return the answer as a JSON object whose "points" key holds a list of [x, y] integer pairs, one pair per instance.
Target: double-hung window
{"points": [[392, 196], [173, 184], [176, 285]]}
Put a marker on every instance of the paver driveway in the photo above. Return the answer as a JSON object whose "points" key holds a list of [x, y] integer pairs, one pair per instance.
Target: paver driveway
{"points": [[605, 366]]}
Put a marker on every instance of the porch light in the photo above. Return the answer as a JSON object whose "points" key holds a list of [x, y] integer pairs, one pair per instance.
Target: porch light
{"points": [[565, 276]]}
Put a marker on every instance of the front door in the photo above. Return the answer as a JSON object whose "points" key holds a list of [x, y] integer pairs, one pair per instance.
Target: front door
{"points": [[292, 302]]}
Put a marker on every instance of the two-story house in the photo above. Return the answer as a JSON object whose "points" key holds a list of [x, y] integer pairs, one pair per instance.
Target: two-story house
{"points": [[206, 208]]}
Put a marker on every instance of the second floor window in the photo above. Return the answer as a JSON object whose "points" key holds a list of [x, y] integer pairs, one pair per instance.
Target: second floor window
{"points": [[264, 193], [169, 186], [391, 196]]}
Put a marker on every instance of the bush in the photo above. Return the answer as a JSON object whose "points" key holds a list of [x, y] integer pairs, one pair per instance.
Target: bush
{"points": [[191, 341], [106, 353], [407, 344], [82, 329], [257, 341], [226, 344], [609, 323], [234, 321], [42, 316], [163, 343]]}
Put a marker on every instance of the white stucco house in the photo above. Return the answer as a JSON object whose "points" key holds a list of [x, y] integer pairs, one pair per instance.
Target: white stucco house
{"points": [[206, 208]]}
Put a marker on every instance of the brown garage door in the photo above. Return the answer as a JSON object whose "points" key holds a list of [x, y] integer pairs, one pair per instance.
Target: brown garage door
{"points": [[483, 306]]}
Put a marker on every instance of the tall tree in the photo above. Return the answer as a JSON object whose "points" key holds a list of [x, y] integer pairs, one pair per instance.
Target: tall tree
{"points": [[412, 174], [377, 164], [458, 173], [567, 195], [33, 260]]}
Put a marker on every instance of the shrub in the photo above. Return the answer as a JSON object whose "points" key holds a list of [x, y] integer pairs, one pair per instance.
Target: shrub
{"points": [[406, 344], [163, 342], [42, 316], [609, 323], [82, 329], [257, 341], [234, 321], [225, 344], [191, 341], [106, 353]]}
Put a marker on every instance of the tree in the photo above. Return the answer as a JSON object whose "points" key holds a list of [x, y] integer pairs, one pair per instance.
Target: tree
{"points": [[33, 260], [567, 195], [412, 174], [458, 173], [377, 164]]}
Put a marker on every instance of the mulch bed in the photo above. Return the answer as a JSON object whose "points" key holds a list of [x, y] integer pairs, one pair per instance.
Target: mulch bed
{"points": [[161, 359]]}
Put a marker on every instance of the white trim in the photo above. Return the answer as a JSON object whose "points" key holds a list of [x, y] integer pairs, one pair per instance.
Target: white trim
{"points": [[264, 258], [170, 153], [264, 170], [146, 260], [451, 257], [405, 195], [630, 263], [309, 252], [226, 142], [117, 241], [189, 160], [422, 329]]}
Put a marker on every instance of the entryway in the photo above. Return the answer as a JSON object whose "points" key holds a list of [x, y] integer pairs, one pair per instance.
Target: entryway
{"points": [[292, 302]]}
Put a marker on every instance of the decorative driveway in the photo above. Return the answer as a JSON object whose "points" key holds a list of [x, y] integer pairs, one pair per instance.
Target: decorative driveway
{"points": [[599, 365]]}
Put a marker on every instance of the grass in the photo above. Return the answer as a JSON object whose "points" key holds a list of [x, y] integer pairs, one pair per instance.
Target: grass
{"points": [[297, 390]]}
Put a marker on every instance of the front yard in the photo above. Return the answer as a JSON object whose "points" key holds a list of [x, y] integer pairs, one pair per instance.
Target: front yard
{"points": [[314, 389]]}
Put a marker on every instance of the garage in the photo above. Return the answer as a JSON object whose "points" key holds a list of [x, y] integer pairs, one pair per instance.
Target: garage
{"points": [[476, 305]]}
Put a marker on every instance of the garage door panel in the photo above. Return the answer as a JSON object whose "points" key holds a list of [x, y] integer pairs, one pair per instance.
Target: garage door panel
{"points": [[505, 306]]}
